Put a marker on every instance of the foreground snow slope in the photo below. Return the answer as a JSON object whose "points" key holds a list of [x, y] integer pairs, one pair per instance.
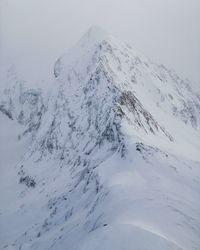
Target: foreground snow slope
{"points": [[107, 158]]}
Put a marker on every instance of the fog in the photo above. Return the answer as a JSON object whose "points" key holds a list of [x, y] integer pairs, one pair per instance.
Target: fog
{"points": [[34, 33]]}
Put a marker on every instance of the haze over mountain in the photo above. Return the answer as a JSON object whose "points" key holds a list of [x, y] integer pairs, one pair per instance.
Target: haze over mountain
{"points": [[166, 31], [107, 157]]}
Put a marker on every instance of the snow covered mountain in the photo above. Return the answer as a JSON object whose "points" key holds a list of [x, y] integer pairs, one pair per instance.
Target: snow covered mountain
{"points": [[107, 158]]}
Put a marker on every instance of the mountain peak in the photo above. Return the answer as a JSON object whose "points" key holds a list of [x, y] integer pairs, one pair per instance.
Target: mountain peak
{"points": [[94, 35], [96, 32], [84, 49]]}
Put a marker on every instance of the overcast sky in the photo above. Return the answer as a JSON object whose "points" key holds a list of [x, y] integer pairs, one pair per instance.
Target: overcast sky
{"points": [[34, 33]]}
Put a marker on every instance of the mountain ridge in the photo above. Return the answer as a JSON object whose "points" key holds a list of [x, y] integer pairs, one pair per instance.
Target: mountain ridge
{"points": [[109, 149]]}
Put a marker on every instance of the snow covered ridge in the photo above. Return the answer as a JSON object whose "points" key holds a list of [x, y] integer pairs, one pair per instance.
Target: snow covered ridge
{"points": [[106, 159]]}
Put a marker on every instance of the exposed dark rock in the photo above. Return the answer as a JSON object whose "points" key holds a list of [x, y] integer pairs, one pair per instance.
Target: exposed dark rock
{"points": [[28, 181]]}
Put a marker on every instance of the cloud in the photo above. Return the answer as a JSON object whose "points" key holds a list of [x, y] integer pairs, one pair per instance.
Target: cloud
{"points": [[34, 32]]}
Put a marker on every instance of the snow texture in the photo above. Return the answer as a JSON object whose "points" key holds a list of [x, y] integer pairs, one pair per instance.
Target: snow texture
{"points": [[106, 158]]}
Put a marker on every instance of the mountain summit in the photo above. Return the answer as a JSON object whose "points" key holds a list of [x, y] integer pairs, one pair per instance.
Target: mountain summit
{"points": [[105, 159]]}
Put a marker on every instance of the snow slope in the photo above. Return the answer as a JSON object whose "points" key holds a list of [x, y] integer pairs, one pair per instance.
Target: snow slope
{"points": [[107, 158]]}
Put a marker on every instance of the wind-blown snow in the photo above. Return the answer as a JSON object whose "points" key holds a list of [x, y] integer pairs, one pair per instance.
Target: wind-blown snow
{"points": [[107, 158]]}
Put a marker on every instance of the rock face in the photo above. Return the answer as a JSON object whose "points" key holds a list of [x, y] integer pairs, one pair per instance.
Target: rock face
{"points": [[103, 154], [26, 106]]}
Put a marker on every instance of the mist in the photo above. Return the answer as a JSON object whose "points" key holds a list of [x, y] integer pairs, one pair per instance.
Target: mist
{"points": [[34, 33]]}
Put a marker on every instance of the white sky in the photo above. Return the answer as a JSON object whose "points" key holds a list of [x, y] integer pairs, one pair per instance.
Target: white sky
{"points": [[34, 33]]}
